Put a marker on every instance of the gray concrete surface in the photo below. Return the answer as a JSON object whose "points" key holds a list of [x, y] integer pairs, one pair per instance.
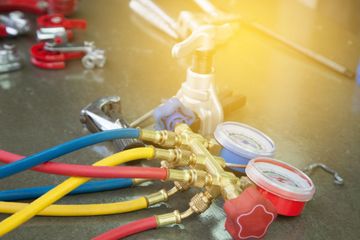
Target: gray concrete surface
{"points": [[311, 112]]}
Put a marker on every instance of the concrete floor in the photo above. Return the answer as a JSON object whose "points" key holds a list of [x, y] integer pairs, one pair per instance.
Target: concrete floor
{"points": [[311, 112]]}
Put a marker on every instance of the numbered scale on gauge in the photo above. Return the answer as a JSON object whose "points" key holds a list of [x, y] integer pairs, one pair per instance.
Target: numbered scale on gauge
{"points": [[287, 187]]}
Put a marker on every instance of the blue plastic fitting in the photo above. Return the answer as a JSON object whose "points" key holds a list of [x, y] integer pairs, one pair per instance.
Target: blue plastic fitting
{"points": [[171, 113]]}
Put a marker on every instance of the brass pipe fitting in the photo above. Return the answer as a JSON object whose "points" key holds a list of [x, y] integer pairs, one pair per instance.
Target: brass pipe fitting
{"points": [[154, 198], [181, 158], [181, 175], [227, 182], [193, 177], [175, 157], [185, 134], [168, 218], [186, 214], [172, 191], [173, 218], [163, 138], [181, 186]]}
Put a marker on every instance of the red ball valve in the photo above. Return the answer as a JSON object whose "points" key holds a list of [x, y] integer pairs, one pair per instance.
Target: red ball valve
{"points": [[249, 215], [32, 6], [39, 7], [58, 20]]}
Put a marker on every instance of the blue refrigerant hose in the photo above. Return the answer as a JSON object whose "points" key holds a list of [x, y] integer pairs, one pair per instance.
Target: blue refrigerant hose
{"points": [[90, 187], [67, 147]]}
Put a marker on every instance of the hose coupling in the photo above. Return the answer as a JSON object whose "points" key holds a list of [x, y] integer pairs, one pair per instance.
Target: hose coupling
{"points": [[168, 218], [162, 138], [154, 198], [193, 177]]}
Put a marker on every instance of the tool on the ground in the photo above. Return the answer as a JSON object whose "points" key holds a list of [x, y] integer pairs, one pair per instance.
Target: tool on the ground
{"points": [[10, 60], [105, 114], [56, 25], [337, 178], [209, 8], [52, 55], [13, 24]]}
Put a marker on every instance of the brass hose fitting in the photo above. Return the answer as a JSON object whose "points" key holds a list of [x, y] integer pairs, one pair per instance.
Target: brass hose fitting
{"points": [[178, 187], [181, 158], [172, 191], [187, 213], [181, 186], [175, 157], [222, 181], [193, 177], [172, 218], [168, 218], [198, 204], [154, 198], [163, 138]]}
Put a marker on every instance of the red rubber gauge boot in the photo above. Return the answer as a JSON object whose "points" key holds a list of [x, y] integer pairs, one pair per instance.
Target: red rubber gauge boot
{"points": [[249, 215]]}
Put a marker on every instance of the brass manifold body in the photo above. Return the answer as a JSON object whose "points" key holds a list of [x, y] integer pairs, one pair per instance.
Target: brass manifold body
{"points": [[190, 163]]}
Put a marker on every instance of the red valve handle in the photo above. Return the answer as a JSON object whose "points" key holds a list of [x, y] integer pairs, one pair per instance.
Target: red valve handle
{"points": [[47, 65], [32, 6], [249, 215], [39, 7], [65, 7], [51, 60], [58, 20], [3, 32], [37, 51]]}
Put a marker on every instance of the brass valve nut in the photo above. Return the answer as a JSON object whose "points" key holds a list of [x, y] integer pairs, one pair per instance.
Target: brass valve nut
{"points": [[200, 202]]}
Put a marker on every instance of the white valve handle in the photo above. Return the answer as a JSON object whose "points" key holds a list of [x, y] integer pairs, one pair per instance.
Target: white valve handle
{"points": [[205, 38]]}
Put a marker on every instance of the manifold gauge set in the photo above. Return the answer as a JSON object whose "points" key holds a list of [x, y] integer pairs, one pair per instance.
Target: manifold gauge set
{"points": [[188, 137]]}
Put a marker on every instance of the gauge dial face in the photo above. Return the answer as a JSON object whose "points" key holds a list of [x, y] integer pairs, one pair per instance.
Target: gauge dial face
{"points": [[247, 138], [282, 176], [280, 179]]}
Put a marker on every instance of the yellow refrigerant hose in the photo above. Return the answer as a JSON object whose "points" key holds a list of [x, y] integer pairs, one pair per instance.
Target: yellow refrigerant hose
{"points": [[80, 209], [67, 186]]}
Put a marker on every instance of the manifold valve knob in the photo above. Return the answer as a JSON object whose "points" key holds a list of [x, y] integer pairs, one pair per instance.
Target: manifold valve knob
{"points": [[249, 215]]}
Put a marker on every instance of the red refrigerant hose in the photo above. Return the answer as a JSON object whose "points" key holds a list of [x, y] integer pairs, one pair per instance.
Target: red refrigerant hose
{"points": [[129, 229], [90, 171]]}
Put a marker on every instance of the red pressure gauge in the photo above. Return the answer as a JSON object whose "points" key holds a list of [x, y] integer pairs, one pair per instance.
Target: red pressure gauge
{"points": [[287, 187]]}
